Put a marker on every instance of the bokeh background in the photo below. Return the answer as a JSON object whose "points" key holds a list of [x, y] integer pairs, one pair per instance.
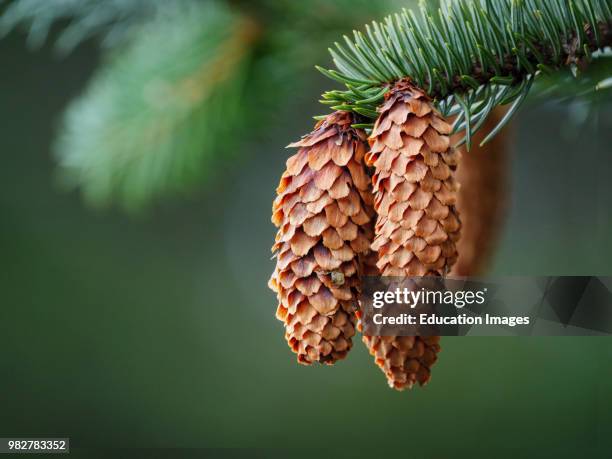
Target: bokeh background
{"points": [[157, 330]]}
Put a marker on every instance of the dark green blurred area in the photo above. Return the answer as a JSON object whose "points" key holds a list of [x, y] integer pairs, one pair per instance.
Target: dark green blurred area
{"points": [[159, 332]]}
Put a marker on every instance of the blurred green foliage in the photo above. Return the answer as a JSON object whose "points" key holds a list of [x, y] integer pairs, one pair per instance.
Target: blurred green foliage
{"points": [[181, 85], [161, 109], [111, 20]]}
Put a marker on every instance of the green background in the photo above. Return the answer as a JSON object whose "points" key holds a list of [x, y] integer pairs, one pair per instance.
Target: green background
{"points": [[159, 331]]}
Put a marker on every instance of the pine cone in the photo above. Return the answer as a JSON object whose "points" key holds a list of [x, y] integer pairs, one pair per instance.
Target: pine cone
{"points": [[417, 225], [482, 199], [321, 214]]}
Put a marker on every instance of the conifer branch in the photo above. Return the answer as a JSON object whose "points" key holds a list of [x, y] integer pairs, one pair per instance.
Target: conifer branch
{"points": [[469, 56], [111, 20], [153, 122]]}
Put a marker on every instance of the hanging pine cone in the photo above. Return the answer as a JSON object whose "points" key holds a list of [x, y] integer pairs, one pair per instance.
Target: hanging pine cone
{"points": [[417, 225], [482, 199], [321, 214]]}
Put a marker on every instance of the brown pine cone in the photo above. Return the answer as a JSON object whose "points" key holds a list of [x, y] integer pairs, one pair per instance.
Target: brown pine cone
{"points": [[482, 199], [417, 225], [321, 212]]}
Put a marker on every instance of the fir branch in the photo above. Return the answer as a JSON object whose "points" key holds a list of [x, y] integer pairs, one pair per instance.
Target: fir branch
{"points": [[112, 20], [162, 110], [468, 53]]}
